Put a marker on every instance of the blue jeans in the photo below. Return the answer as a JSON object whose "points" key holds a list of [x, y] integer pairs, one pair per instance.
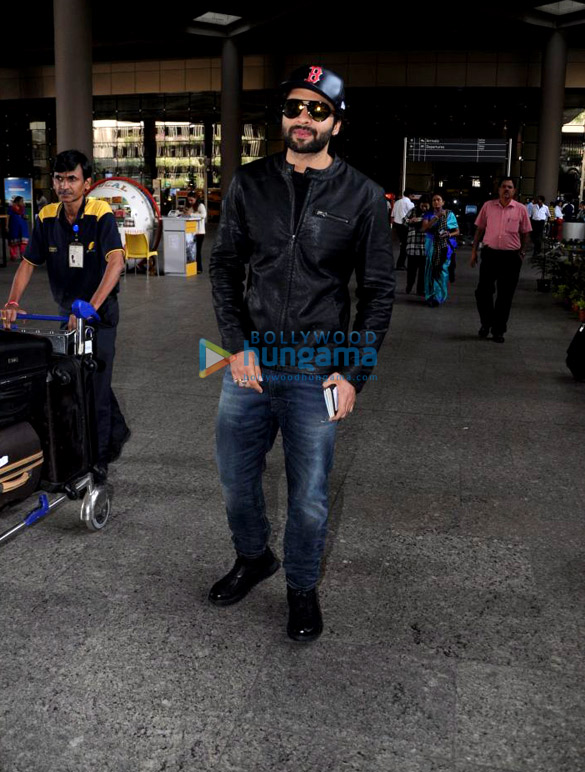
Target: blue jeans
{"points": [[247, 424]]}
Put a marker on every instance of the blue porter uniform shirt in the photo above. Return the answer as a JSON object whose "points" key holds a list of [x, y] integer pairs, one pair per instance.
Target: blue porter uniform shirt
{"points": [[50, 242]]}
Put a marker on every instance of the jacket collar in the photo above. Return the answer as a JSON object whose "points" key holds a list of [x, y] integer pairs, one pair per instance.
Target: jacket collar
{"points": [[322, 174]]}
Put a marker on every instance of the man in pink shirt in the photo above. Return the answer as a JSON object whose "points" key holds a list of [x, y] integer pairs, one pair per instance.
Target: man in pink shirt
{"points": [[504, 228]]}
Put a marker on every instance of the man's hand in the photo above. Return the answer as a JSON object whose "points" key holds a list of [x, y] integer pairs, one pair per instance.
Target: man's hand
{"points": [[9, 313], [72, 323], [473, 261], [345, 395], [245, 372]]}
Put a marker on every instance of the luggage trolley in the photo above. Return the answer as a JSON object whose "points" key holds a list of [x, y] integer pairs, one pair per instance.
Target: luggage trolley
{"points": [[68, 366]]}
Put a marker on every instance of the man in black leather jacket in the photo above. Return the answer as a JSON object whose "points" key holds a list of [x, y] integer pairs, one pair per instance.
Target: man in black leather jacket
{"points": [[294, 227]]}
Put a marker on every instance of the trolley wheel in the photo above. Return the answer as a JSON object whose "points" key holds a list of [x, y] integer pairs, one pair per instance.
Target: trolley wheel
{"points": [[96, 507]]}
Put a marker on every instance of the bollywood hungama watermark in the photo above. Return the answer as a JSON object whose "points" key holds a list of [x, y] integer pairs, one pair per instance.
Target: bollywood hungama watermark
{"points": [[321, 350]]}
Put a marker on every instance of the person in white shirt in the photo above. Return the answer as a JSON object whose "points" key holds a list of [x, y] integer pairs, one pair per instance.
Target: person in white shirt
{"points": [[196, 208], [557, 232], [538, 219], [401, 208]]}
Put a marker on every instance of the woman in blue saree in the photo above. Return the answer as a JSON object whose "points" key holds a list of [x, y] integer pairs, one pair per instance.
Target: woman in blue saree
{"points": [[440, 228], [17, 228]]}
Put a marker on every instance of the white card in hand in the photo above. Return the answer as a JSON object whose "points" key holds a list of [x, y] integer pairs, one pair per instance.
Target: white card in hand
{"points": [[330, 394]]}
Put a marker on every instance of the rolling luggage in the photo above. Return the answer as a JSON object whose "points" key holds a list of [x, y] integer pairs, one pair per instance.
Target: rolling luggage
{"points": [[24, 363], [576, 354], [58, 446], [69, 437], [21, 458]]}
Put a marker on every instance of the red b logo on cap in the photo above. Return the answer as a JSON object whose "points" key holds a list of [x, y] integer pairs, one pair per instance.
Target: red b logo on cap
{"points": [[315, 74]]}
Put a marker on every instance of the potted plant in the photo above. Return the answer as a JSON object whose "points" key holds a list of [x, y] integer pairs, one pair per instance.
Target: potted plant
{"points": [[545, 261], [562, 293], [575, 297], [563, 272], [581, 309]]}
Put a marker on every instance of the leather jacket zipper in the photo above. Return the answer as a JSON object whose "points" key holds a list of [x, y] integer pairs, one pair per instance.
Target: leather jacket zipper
{"points": [[293, 240], [330, 216]]}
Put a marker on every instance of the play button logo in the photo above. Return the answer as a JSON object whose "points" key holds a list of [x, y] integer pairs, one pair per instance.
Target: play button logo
{"points": [[211, 358]]}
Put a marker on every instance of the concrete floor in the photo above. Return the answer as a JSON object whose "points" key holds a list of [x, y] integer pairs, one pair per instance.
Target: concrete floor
{"points": [[453, 591]]}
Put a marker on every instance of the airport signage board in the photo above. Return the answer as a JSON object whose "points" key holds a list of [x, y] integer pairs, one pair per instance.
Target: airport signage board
{"points": [[458, 150]]}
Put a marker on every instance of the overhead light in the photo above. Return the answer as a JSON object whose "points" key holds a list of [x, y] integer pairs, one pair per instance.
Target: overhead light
{"points": [[561, 8], [576, 126], [219, 19]]}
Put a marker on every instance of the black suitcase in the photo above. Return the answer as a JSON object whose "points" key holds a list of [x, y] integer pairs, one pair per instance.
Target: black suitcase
{"points": [[576, 354], [69, 438], [24, 363], [21, 458]]}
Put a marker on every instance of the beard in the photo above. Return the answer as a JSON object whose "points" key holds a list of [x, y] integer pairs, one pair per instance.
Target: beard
{"points": [[314, 145]]}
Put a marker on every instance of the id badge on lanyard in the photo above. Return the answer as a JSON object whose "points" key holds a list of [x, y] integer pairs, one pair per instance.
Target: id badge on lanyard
{"points": [[76, 251], [76, 255]]}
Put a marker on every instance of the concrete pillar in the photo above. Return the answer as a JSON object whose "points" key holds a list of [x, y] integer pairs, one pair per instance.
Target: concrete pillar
{"points": [[231, 112], [149, 168], [554, 67], [73, 75], [208, 144]]}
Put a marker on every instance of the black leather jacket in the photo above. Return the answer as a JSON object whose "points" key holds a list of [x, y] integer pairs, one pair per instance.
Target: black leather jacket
{"points": [[297, 279]]}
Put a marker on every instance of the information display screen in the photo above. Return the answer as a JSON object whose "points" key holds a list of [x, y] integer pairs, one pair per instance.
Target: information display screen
{"points": [[458, 150], [20, 186]]}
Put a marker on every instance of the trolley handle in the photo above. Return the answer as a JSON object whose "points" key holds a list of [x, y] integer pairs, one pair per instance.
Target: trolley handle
{"points": [[81, 308], [43, 317]]}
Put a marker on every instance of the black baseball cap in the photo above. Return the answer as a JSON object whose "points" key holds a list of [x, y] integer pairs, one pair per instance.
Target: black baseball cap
{"points": [[324, 82]]}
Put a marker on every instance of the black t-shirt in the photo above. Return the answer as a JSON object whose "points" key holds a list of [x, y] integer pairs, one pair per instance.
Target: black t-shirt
{"points": [[50, 242], [301, 185]]}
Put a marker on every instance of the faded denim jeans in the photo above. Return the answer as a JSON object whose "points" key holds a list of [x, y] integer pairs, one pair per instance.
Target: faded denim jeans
{"points": [[247, 424]]}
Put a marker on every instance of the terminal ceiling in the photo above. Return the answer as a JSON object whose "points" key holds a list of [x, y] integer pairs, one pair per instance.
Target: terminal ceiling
{"points": [[124, 31]]}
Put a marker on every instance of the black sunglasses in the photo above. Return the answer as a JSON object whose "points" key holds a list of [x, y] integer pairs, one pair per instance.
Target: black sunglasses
{"points": [[319, 111]]}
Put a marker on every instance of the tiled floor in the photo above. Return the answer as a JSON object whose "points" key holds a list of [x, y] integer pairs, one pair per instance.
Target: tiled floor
{"points": [[454, 584]]}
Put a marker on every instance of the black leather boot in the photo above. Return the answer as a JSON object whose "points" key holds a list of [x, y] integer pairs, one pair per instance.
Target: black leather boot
{"points": [[304, 621], [246, 574]]}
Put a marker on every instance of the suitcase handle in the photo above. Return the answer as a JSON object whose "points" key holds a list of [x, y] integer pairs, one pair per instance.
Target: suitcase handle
{"points": [[16, 483]]}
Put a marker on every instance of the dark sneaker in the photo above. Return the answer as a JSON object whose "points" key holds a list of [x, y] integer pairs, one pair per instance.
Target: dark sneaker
{"points": [[498, 338], [483, 332], [246, 574], [304, 621]]}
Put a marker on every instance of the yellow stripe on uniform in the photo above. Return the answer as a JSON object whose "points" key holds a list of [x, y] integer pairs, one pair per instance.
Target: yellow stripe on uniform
{"points": [[111, 252], [96, 208], [48, 211]]}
